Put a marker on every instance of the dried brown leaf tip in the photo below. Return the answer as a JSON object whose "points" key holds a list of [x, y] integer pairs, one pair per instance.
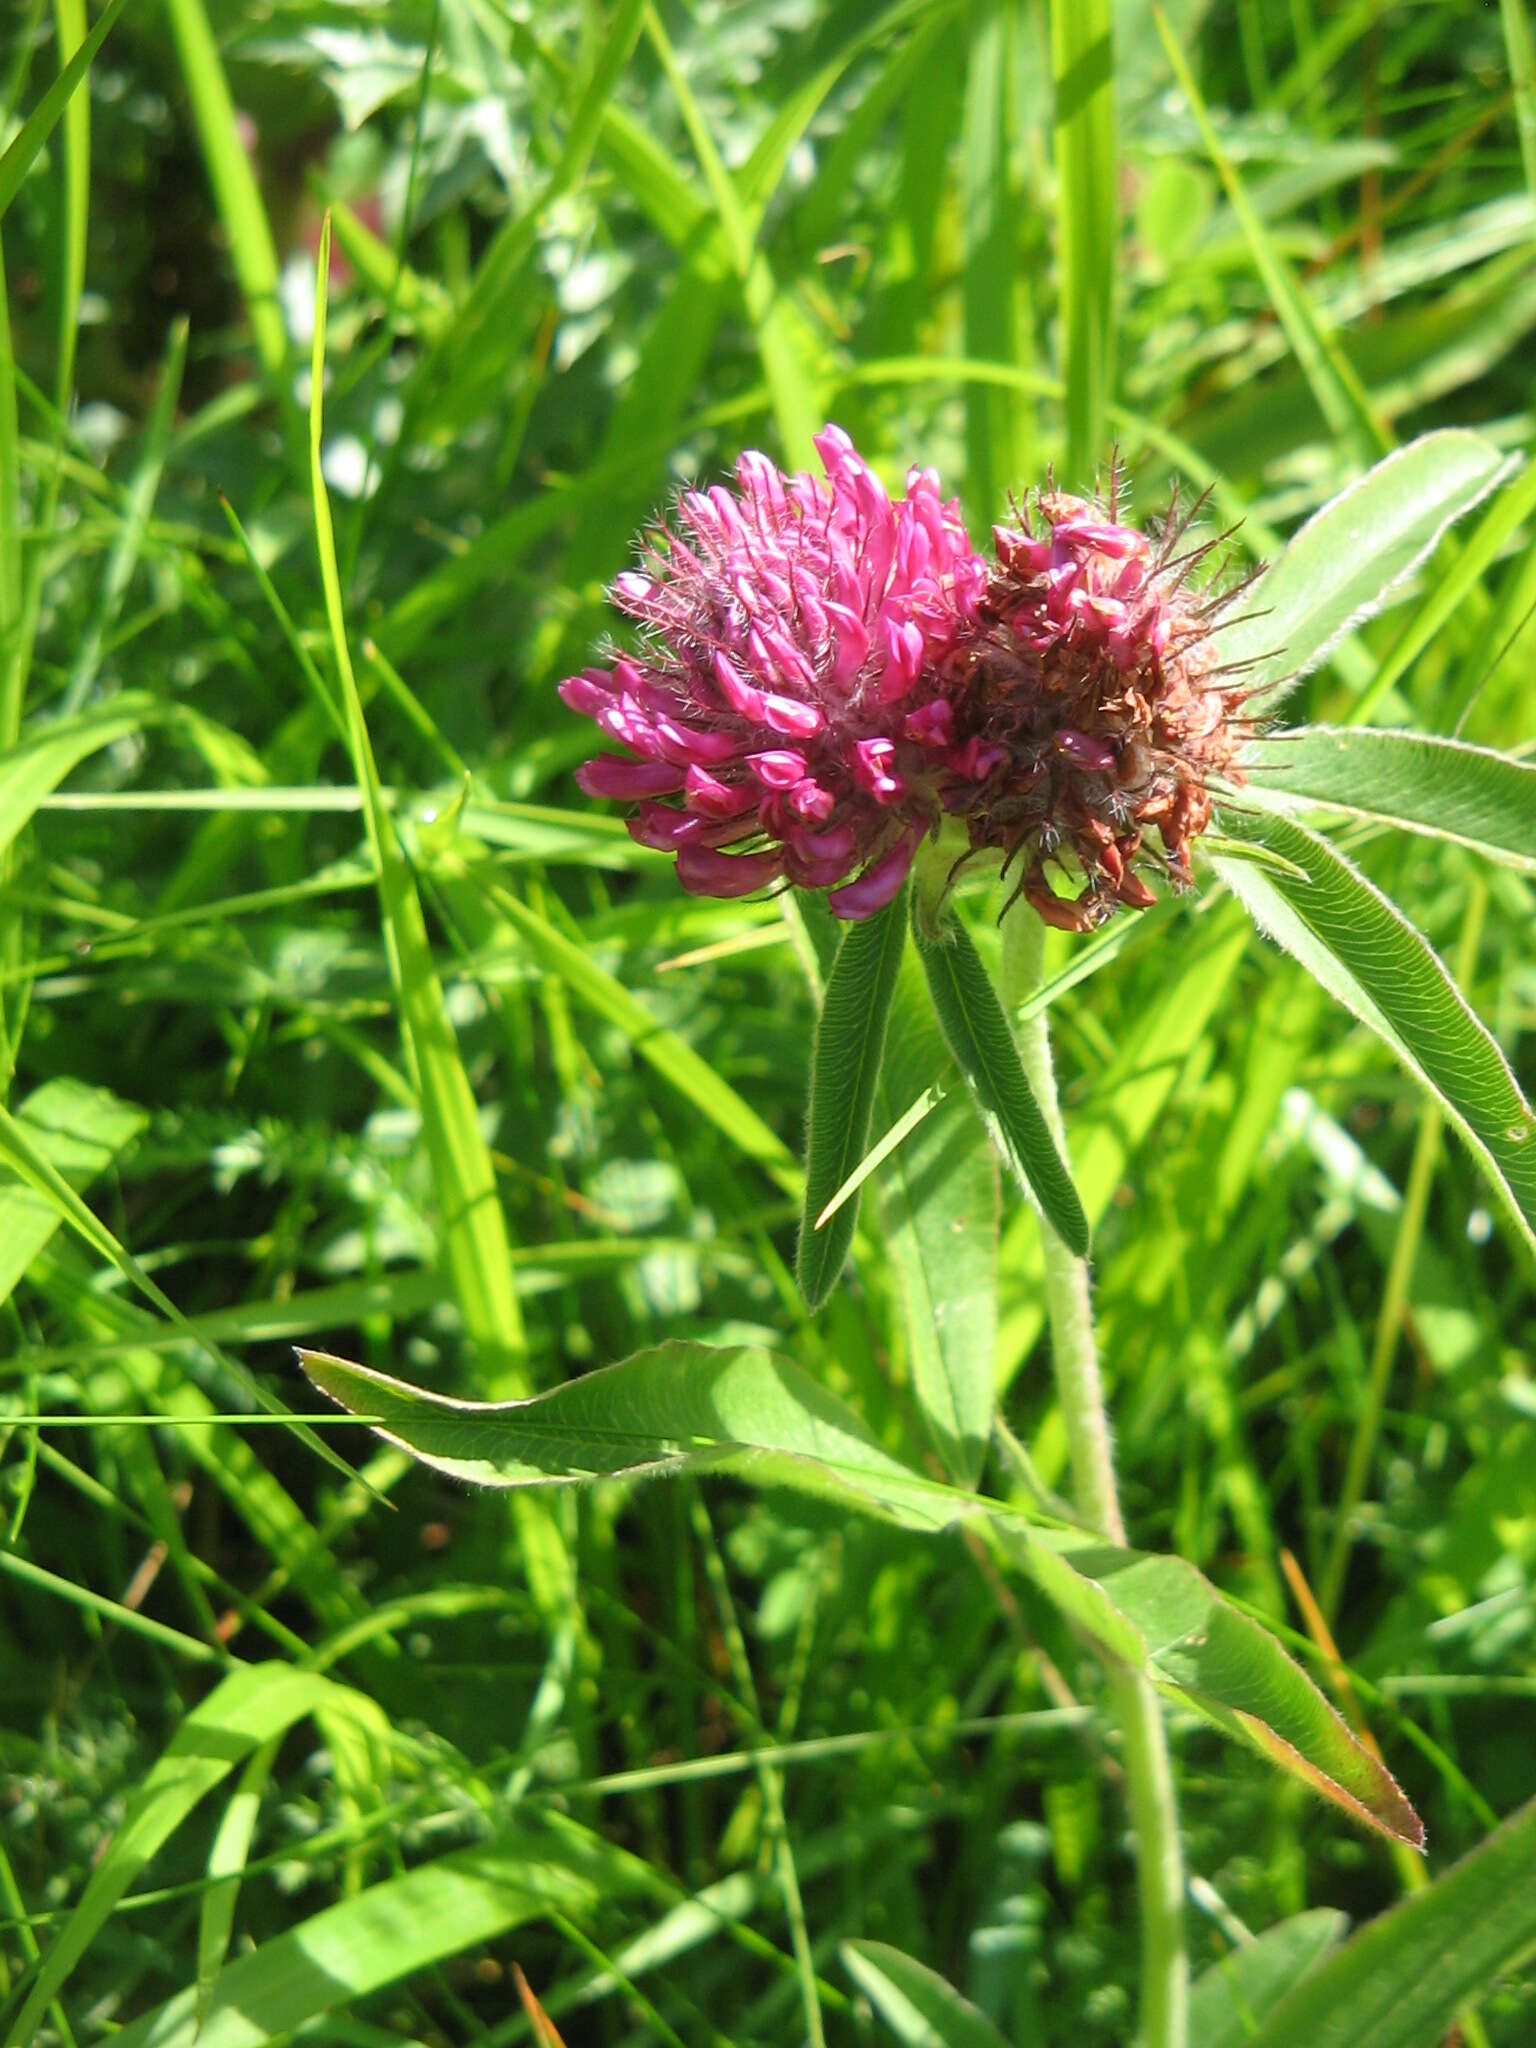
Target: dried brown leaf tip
{"points": [[1091, 703]]}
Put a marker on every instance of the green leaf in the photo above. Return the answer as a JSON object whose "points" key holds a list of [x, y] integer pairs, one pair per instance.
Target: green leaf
{"points": [[387, 1932], [33, 771], [476, 1243], [845, 1070], [670, 1056], [1162, 1616], [1083, 65], [939, 1194], [977, 1033], [919, 2006], [741, 1409], [997, 419], [1335, 384], [680, 1407], [39, 124], [231, 173], [81, 1132], [1349, 557], [245, 1710], [1400, 1982], [1367, 955], [1471, 795], [1229, 2002]]}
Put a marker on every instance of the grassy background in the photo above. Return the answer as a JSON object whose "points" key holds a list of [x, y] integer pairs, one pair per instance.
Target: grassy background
{"points": [[454, 1080]]}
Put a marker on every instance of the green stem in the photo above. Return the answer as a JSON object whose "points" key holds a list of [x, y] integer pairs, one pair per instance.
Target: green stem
{"points": [[1075, 1358]]}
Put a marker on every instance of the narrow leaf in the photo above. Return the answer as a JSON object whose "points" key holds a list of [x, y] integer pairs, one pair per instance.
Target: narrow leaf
{"points": [[845, 1070], [1083, 65], [1216, 1660], [1349, 557], [741, 1409], [1443, 788], [680, 1407], [1230, 2001], [1367, 955], [248, 1708], [392, 1930], [939, 1195], [919, 2006], [1400, 1982], [977, 1033], [39, 124], [32, 771]]}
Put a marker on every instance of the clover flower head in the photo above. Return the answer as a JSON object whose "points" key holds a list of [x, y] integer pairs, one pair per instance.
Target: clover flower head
{"points": [[783, 718], [1091, 703]]}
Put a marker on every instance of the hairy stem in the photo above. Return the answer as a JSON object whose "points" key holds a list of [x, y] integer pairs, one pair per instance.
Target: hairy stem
{"points": [[1075, 1358]]}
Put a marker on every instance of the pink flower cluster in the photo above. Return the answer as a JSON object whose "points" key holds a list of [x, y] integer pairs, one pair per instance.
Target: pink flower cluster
{"points": [[784, 718], [824, 673]]}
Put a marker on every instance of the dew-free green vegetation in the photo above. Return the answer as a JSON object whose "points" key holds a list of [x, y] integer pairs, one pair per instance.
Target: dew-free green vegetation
{"points": [[334, 1018]]}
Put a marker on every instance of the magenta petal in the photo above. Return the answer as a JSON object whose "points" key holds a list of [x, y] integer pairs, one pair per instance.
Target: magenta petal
{"points": [[810, 799], [586, 693], [852, 639], [607, 775], [688, 744], [705, 872], [777, 767], [666, 830], [737, 691], [787, 715], [931, 725], [838, 844], [877, 885], [716, 799]]}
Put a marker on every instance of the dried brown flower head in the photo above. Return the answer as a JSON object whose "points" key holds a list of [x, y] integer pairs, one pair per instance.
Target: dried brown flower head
{"points": [[1091, 704]]}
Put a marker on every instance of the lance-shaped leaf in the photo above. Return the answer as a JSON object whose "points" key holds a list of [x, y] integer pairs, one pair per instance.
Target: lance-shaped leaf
{"points": [[1228, 2003], [1349, 557], [919, 2006], [741, 1409], [845, 1071], [1364, 952], [939, 1197], [678, 1408], [977, 1033], [1476, 797], [1162, 1616], [1401, 1981]]}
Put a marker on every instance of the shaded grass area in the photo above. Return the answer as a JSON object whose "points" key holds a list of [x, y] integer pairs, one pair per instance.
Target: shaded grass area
{"points": [[356, 1026]]}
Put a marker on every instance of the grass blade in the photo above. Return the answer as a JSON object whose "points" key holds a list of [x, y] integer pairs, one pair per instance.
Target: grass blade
{"points": [[44, 117], [1083, 67], [392, 1930], [233, 178], [1401, 1981], [246, 1709], [1335, 384], [1229, 2002], [977, 1034], [474, 1229], [845, 1072], [919, 2006]]}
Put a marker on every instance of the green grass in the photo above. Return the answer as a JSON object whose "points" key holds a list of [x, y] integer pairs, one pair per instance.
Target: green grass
{"points": [[332, 1014]]}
